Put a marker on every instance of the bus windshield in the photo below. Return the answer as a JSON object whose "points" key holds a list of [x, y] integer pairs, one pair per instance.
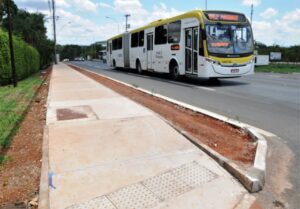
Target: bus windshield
{"points": [[229, 39]]}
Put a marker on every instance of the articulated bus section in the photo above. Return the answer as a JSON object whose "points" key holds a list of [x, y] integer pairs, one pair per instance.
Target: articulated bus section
{"points": [[207, 44]]}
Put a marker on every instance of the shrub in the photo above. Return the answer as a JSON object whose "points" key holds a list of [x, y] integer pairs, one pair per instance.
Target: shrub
{"points": [[27, 59]]}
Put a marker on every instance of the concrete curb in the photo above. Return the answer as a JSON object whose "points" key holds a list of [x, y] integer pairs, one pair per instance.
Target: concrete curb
{"points": [[253, 178], [44, 188]]}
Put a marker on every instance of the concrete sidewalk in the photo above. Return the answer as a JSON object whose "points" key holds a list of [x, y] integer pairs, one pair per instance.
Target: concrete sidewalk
{"points": [[106, 151]]}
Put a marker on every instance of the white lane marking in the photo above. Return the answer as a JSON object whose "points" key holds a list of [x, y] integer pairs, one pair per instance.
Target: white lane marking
{"points": [[205, 88], [175, 82], [194, 86]]}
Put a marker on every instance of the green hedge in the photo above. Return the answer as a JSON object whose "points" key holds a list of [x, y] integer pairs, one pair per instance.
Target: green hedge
{"points": [[27, 59]]}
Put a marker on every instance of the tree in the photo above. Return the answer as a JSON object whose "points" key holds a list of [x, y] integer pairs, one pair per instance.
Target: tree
{"points": [[71, 51], [3, 11], [31, 28]]}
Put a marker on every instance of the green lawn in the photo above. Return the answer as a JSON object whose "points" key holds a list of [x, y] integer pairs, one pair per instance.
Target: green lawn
{"points": [[13, 103], [278, 68]]}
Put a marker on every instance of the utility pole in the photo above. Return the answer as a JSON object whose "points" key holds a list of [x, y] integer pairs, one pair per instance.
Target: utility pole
{"points": [[251, 12], [205, 4], [126, 24], [54, 30], [12, 54]]}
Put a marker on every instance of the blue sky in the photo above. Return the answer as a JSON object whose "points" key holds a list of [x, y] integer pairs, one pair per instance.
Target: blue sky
{"points": [[88, 21]]}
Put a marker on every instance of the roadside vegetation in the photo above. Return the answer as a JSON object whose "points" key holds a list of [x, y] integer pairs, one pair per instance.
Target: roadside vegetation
{"points": [[289, 54], [13, 105], [72, 51], [33, 50], [27, 59], [278, 68]]}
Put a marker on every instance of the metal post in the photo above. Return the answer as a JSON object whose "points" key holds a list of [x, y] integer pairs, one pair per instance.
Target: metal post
{"points": [[205, 4], [251, 12], [126, 24], [54, 30], [11, 47]]}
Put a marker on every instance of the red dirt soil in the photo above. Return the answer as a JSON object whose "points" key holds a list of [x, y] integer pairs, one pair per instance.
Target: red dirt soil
{"points": [[227, 140], [20, 176]]}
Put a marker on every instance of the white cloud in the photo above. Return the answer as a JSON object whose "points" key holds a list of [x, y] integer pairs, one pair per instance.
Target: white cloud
{"points": [[62, 4], [250, 2], [284, 31], [72, 28], [162, 11], [293, 16], [101, 4], [85, 5], [133, 7], [269, 13], [139, 15]]}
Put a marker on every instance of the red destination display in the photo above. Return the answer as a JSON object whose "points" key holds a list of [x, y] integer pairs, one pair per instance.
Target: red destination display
{"points": [[224, 17]]}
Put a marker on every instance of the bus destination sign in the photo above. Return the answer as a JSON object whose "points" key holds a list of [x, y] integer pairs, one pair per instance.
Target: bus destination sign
{"points": [[230, 17]]}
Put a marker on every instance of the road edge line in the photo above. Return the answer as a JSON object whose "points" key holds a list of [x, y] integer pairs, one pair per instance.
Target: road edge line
{"points": [[253, 178]]}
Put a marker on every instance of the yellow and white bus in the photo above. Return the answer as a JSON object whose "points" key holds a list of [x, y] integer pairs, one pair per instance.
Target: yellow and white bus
{"points": [[207, 44]]}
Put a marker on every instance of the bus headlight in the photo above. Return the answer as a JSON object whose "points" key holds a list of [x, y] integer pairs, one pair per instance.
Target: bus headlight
{"points": [[212, 61]]}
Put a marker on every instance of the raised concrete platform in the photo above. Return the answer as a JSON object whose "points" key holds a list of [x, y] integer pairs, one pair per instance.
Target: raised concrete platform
{"points": [[119, 154]]}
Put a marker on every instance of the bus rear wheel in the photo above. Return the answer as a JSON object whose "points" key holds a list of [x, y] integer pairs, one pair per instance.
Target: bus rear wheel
{"points": [[139, 68], [175, 72], [114, 64]]}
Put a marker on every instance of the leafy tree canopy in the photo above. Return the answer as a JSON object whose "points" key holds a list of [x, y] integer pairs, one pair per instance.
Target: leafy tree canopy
{"points": [[31, 28]]}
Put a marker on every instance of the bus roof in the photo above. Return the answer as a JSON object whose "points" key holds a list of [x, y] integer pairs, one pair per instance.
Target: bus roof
{"points": [[194, 13]]}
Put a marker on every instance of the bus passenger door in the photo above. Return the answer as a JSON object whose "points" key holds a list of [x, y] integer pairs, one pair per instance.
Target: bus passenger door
{"points": [[110, 54], [149, 50], [191, 50]]}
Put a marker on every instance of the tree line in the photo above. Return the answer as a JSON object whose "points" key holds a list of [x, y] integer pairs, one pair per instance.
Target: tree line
{"points": [[30, 27], [72, 51], [289, 54]]}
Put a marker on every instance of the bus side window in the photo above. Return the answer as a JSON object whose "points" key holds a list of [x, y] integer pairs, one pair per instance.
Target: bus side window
{"points": [[201, 49], [161, 34], [114, 44], [134, 39], [141, 38], [174, 30], [119, 43]]}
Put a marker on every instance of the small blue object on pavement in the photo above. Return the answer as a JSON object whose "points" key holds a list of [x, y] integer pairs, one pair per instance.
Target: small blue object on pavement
{"points": [[50, 182]]}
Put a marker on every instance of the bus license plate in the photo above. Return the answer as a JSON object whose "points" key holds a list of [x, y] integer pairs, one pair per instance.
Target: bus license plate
{"points": [[235, 70]]}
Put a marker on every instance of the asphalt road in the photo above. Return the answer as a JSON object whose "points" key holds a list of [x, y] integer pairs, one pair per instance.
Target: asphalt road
{"points": [[268, 101]]}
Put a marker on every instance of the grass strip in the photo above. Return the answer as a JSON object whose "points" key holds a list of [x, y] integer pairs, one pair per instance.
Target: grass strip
{"points": [[278, 68], [14, 103]]}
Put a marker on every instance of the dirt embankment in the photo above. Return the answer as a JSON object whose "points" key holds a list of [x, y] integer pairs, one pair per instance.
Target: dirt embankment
{"points": [[227, 140], [20, 175]]}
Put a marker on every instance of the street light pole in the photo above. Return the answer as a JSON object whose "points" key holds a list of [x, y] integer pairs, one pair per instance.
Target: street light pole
{"points": [[12, 54], [126, 23], [54, 30], [251, 13], [205, 4]]}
